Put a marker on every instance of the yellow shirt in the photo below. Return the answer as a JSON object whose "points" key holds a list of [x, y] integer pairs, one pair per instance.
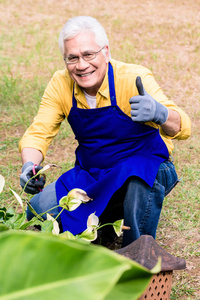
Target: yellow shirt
{"points": [[57, 102]]}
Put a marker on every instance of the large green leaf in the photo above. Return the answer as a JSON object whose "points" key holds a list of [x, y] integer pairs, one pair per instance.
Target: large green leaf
{"points": [[3, 227], [39, 266]]}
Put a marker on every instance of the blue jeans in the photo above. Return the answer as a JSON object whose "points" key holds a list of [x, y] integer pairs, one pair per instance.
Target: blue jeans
{"points": [[136, 202], [44, 201], [142, 204]]}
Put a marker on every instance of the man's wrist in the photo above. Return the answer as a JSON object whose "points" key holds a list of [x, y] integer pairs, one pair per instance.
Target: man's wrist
{"points": [[161, 114]]}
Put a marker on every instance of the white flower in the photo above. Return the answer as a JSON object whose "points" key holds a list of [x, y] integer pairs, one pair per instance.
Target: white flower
{"points": [[45, 168], [90, 234], [69, 205], [2, 182], [92, 221], [78, 194], [18, 198], [56, 229], [74, 199]]}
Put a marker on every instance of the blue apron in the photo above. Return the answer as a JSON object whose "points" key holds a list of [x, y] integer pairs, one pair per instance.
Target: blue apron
{"points": [[111, 148]]}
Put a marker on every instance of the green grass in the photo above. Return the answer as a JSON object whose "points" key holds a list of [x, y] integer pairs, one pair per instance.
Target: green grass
{"points": [[161, 36]]}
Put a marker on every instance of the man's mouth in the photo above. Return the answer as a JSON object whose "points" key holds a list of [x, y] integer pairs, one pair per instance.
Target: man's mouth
{"points": [[85, 74]]}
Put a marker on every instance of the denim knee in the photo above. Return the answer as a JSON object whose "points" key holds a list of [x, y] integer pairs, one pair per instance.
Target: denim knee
{"points": [[167, 176], [44, 201]]}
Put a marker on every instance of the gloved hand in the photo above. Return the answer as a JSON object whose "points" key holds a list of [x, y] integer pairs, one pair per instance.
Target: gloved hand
{"points": [[36, 184], [144, 108]]}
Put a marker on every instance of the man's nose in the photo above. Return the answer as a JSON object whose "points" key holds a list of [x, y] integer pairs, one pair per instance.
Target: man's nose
{"points": [[82, 64]]}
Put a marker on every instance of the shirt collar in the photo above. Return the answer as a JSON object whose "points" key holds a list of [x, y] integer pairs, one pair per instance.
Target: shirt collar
{"points": [[104, 88], [103, 91]]}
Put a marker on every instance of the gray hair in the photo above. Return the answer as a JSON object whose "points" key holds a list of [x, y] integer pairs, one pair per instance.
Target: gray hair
{"points": [[75, 25]]}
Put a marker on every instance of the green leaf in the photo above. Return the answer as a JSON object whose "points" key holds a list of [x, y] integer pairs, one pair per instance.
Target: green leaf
{"points": [[40, 266], [33, 211], [67, 235], [117, 225], [3, 213], [16, 220], [32, 222], [11, 210], [47, 226], [88, 235], [6, 214], [3, 227]]}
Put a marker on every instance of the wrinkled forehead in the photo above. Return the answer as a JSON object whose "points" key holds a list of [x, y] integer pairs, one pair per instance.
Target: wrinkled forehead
{"points": [[83, 42]]}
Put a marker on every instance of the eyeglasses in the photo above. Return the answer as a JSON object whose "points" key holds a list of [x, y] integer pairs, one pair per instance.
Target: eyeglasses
{"points": [[87, 57]]}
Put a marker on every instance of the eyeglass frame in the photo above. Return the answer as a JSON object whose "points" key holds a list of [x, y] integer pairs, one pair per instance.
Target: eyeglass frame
{"points": [[82, 56]]}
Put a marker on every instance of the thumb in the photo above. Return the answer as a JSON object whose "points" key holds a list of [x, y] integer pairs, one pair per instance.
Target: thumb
{"points": [[139, 86]]}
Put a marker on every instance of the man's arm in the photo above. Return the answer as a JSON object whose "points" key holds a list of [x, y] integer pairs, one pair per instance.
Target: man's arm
{"points": [[31, 154], [54, 107], [35, 141], [173, 124]]}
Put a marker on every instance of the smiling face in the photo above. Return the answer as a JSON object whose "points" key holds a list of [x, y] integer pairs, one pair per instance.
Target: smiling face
{"points": [[89, 75]]}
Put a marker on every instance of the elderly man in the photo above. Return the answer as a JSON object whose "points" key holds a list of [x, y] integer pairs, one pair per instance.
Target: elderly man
{"points": [[124, 126]]}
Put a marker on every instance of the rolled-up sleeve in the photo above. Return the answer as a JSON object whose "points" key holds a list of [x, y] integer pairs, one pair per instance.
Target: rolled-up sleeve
{"points": [[156, 92], [125, 78], [50, 115]]}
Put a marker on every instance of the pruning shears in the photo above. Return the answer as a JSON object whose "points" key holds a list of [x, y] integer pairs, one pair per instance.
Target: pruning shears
{"points": [[41, 179]]}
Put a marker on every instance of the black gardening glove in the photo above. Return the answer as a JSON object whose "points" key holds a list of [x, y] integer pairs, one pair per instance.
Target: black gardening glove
{"points": [[36, 184]]}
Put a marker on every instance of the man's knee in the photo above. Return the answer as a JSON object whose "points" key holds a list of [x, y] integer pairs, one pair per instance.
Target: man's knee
{"points": [[43, 202], [167, 176]]}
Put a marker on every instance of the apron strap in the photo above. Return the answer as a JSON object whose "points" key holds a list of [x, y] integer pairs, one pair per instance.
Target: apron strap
{"points": [[111, 85], [74, 103], [111, 88]]}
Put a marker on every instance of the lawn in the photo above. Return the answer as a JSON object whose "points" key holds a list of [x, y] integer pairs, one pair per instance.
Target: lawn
{"points": [[161, 35]]}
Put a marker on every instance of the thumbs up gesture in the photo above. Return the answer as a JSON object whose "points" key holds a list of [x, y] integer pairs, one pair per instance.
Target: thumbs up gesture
{"points": [[145, 108]]}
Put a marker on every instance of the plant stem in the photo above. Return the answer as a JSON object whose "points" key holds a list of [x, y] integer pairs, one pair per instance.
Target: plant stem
{"points": [[105, 225], [49, 210], [27, 184], [59, 213], [56, 217]]}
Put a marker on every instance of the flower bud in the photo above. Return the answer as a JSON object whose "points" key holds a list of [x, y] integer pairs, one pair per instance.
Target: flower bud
{"points": [[92, 221], [117, 225], [74, 199], [79, 195]]}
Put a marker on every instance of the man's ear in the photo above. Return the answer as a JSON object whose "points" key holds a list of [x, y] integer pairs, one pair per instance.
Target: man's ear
{"points": [[106, 51]]}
